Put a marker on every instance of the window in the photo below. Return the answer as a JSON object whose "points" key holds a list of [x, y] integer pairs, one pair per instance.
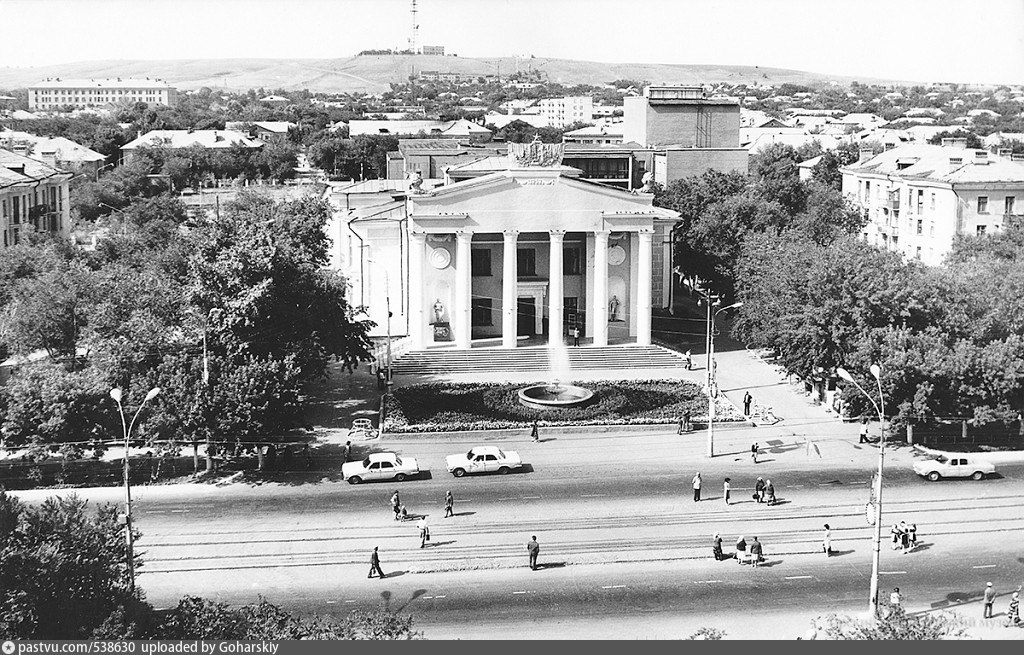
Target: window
{"points": [[920, 227], [982, 204], [572, 261], [867, 192], [1008, 205], [481, 262], [918, 253], [980, 230], [931, 228], [860, 190], [920, 200], [527, 262], [932, 206], [481, 314]]}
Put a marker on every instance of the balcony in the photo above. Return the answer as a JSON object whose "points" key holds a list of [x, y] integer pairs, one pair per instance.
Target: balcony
{"points": [[894, 203]]}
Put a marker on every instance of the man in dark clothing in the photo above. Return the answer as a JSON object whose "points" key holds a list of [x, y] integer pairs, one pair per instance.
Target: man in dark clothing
{"points": [[747, 399], [375, 564], [990, 598], [346, 451], [533, 548], [759, 488], [576, 336], [449, 503], [535, 431]]}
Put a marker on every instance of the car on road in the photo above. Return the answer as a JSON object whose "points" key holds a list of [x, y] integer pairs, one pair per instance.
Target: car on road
{"points": [[953, 466], [362, 429], [380, 466], [483, 459]]}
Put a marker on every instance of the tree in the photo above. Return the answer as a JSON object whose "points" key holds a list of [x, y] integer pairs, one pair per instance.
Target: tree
{"points": [[777, 175], [894, 625], [826, 171], [62, 572], [973, 140]]}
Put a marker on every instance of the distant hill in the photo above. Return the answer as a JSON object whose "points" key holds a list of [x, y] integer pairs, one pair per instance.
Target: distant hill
{"points": [[374, 73]]}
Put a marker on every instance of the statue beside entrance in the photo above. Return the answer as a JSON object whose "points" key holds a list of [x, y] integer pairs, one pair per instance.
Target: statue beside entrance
{"points": [[442, 329], [438, 311], [613, 309]]}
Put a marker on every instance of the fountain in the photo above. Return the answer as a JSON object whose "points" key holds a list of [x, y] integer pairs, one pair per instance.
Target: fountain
{"points": [[555, 395]]}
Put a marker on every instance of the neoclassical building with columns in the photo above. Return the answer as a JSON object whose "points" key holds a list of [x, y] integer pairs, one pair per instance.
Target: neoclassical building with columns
{"points": [[527, 250]]}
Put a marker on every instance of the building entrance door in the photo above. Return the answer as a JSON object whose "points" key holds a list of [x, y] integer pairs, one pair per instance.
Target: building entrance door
{"points": [[526, 317]]}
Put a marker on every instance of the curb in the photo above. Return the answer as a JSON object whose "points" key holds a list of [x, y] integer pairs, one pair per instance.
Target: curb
{"points": [[565, 430]]}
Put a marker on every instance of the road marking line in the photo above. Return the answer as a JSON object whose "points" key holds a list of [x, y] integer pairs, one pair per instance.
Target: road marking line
{"points": [[799, 577], [531, 497], [350, 601], [706, 581], [436, 597], [514, 593], [892, 573], [331, 602], [985, 566], [427, 597], [859, 482], [593, 495], [509, 498], [180, 511], [614, 586]]}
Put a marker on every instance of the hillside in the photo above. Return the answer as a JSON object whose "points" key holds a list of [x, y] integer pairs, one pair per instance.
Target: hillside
{"points": [[374, 73]]}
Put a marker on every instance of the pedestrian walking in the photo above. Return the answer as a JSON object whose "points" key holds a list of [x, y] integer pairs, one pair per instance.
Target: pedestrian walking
{"points": [[346, 451], [725, 490], [533, 548], [375, 564], [769, 492], [759, 490], [424, 532], [575, 336], [895, 598], [396, 504], [402, 514], [1013, 614], [689, 361], [747, 399], [753, 452], [449, 503], [826, 541], [990, 598], [687, 425], [716, 548], [535, 431], [863, 430], [696, 487], [755, 552], [682, 425]]}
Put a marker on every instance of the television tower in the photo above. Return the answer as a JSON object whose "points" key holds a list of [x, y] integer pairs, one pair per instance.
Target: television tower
{"points": [[415, 29]]}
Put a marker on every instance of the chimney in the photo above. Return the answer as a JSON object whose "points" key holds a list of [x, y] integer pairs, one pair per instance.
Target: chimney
{"points": [[865, 154], [1005, 152], [1017, 157], [955, 163], [981, 157], [951, 142]]}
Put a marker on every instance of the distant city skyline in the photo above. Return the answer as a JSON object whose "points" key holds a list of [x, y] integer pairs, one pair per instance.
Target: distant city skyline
{"points": [[913, 40]]}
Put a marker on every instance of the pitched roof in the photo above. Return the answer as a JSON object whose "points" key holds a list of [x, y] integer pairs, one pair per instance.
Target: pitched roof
{"points": [[930, 162], [15, 169], [64, 149], [460, 127], [184, 138]]}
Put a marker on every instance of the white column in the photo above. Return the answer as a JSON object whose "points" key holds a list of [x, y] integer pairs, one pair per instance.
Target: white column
{"points": [[463, 290], [555, 293], [417, 322], [643, 289], [599, 303], [509, 288]]}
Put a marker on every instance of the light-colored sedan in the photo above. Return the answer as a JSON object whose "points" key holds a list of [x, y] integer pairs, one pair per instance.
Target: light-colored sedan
{"points": [[955, 466], [483, 459], [380, 466]]}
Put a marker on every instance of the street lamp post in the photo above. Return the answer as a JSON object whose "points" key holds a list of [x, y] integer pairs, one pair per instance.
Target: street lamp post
{"points": [[876, 372], [712, 381], [115, 393]]}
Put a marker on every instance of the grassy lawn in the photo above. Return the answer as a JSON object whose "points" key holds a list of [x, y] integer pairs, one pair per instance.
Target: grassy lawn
{"points": [[457, 407]]}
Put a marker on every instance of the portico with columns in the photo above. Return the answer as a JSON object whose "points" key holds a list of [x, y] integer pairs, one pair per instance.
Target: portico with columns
{"points": [[533, 251]]}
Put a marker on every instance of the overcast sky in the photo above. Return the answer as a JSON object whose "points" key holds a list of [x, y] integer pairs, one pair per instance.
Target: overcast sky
{"points": [[978, 41]]}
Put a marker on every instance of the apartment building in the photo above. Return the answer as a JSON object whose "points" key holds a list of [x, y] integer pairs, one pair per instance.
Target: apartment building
{"points": [[33, 198], [178, 139], [57, 93], [566, 111], [918, 197]]}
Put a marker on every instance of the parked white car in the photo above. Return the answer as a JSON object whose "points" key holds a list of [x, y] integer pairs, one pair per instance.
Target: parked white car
{"points": [[955, 466], [380, 466], [483, 459]]}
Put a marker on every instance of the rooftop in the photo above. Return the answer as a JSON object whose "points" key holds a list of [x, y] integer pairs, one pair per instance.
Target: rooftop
{"points": [[184, 138], [107, 83]]}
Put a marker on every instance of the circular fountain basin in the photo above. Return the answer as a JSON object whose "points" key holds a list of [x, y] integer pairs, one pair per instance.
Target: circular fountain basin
{"points": [[554, 396]]}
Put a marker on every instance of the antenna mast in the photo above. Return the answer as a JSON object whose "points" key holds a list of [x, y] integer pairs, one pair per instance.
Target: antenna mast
{"points": [[415, 29]]}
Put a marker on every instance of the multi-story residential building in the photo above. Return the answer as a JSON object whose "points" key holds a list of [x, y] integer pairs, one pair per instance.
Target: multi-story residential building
{"points": [[177, 139], [55, 94], [918, 197], [33, 198], [433, 50], [566, 111], [57, 151]]}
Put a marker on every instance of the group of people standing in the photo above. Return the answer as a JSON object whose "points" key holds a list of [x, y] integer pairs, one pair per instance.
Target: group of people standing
{"points": [[764, 490], [752, 552], [904, 537], [1012, 612]]}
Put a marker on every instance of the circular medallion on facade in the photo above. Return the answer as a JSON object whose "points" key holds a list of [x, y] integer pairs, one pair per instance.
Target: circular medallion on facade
{"points": [[440, 258], [616, 255]]}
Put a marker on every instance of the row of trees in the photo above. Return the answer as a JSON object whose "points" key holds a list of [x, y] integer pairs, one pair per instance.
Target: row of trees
{"points": [[948, 338], [247, 292], [63, 575]]}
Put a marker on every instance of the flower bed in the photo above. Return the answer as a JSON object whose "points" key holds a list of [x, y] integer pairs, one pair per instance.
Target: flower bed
{"points": [[459, 407]]}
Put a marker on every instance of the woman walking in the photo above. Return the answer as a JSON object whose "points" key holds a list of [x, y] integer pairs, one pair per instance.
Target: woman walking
{"points": [[1013, 614], [769, 492], [826, 542]]}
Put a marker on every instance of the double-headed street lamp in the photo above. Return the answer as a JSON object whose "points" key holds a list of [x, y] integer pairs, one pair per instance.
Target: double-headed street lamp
{"points": [[876, 372], [712, 382], [115, 393]]}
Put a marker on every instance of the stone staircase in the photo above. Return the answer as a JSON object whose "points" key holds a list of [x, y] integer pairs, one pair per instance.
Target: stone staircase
{"points": [[532, 359]]}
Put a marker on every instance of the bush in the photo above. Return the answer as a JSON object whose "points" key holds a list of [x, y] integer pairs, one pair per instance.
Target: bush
{"points": [[457, 407]]}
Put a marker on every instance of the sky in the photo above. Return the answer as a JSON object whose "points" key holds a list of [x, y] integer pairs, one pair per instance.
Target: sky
{"points": [[974, 41]]}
